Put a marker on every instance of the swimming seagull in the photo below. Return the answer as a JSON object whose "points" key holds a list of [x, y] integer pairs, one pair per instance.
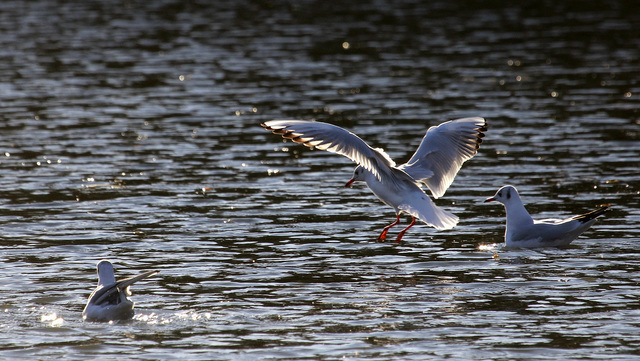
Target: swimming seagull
{"points": [[435, 164], [109, 300], [523, 232]]}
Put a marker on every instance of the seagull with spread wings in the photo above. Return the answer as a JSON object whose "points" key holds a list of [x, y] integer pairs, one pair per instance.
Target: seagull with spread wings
{"points": [[435, 164]]}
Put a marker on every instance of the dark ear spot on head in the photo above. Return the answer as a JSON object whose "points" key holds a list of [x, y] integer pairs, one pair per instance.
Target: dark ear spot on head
{"points": [[508, 193]]}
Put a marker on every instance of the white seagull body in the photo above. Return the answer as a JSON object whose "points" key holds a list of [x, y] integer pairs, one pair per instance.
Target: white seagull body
{"points": [[435, 164], [110, 301], [523, 232]]}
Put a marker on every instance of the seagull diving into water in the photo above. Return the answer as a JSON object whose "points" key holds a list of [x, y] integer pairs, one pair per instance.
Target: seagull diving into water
{"points": [[109, 301], [523, 232], [435, 164]]}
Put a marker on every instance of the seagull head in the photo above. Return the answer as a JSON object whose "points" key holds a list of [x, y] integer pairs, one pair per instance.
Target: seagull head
{"points": [[504, 195], [358, 176], [106, 274]]}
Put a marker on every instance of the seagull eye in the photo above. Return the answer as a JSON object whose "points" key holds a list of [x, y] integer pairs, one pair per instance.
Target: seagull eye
{"points": [[508, 194]]}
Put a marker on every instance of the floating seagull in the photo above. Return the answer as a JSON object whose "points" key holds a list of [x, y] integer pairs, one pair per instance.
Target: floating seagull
{"points": [[109, 300], [523, 232], [435, 164]]}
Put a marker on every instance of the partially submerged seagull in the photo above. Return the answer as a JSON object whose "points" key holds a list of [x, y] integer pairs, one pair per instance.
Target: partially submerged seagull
{"points": [[435, 164], [109, 301], [523, 232]]}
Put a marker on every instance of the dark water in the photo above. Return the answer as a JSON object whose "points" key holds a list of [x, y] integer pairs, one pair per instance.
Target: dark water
{"points": [[130, 131]]}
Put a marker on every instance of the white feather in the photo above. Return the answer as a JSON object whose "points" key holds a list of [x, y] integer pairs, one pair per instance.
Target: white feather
{"points": [[442, 152]]}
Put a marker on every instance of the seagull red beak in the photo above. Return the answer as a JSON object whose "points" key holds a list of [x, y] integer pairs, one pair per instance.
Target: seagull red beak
{"points": [[349, 183], [490, 199]]}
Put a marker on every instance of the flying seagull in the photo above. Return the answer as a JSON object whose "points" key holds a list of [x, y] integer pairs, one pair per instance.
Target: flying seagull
{"points": [[435, 164]]}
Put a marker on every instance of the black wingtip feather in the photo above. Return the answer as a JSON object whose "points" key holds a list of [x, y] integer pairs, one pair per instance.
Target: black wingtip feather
{"points": [[593, 214], [289, 134], [481, 129]]}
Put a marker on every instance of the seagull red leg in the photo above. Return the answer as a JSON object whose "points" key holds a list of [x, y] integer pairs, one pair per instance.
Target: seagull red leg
{"points": [[401, 234], [383, 235]]}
